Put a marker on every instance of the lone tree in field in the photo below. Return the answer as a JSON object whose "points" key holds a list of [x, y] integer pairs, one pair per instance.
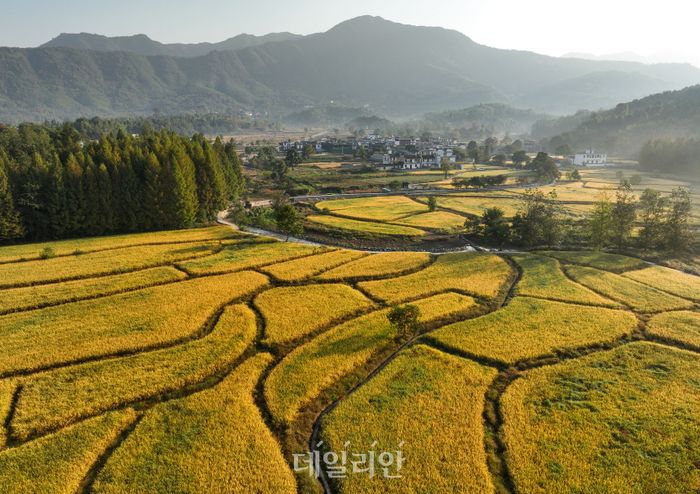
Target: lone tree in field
{"points": [[432, 203], [445, 166], [492, 226], [599, 222], [404, 320], [624, 214], [520, 158], [538, 220], [293, 157], [287, 218], [677, 233]]}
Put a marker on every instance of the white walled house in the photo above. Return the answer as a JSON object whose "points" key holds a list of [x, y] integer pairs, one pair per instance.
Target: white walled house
{"points": [[590, 157]]}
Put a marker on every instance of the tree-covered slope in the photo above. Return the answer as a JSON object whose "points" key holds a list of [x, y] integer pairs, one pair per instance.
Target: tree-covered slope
{"points": [[625, 128]]}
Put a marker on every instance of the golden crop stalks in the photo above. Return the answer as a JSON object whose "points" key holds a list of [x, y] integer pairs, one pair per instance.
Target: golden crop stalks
{"points": [[433, 403], [212, 441], [53, 399], [528, 328], [626, 420]]}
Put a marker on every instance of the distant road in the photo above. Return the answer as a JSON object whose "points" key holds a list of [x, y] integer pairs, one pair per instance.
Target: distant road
{"points": [[412, 192]]}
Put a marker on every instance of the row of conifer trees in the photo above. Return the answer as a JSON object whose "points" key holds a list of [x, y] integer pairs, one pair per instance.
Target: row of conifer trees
{"points": [[55, 184]]}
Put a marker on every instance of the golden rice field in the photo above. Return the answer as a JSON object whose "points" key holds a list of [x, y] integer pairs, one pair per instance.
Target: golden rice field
{"points": [[100, 263], [60, 462], [306, 371], [384, 208], [53, 399], [295, 311], [627, 420], [669, 280], [202, 360], [680, 326], [363, 227], [92, 244], [238, 257], [132, 322], [7, 389], [34, 297], [307, 267], [529, 328], [542, 277], [221, 444], [415, 397], [474, 204], [378, 266], [482, 275], [640, 297], [597, 259], [437, 220]]}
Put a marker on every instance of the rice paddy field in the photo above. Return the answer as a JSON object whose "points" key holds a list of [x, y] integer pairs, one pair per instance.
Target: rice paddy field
{"points": [[363, 227], [207, 360]]}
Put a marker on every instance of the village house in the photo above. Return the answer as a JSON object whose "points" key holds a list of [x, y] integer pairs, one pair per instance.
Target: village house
{"points": [[590, 158]]}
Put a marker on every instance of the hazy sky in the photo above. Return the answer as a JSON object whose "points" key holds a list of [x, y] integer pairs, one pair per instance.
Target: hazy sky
{"points": [[662, 29]]}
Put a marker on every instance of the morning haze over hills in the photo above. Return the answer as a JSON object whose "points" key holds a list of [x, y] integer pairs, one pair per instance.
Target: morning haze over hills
{"points": [[394, 70]]}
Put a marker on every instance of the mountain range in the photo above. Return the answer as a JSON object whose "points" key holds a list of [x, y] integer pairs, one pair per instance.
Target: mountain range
{"points": [[395, 70], [141, 44]]}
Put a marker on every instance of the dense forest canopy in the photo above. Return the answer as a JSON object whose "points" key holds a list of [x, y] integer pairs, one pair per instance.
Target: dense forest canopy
{"points": [[624, 129], [671, 156], [185, 124], [54, 183]]}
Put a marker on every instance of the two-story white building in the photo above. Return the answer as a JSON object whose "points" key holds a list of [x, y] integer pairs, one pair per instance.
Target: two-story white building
{"points": [[590, 158]]}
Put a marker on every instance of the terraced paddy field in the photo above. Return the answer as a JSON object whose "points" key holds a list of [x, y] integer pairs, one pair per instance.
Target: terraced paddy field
{"points": [[205, 360]]}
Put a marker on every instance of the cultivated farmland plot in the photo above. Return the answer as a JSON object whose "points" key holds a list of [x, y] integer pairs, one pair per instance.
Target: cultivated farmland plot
{"points": [[207, 361]]}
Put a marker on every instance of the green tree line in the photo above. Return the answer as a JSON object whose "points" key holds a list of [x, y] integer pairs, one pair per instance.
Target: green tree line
{"points": [[56, 184], [671, 156], [663, 222]]}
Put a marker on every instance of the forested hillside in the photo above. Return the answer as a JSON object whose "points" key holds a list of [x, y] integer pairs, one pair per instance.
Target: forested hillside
{"points": [[497, 117], [55, 184], [628, 126]]}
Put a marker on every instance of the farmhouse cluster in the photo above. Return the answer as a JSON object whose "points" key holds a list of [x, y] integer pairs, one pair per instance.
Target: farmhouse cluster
{"points": [[387, 153]]}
